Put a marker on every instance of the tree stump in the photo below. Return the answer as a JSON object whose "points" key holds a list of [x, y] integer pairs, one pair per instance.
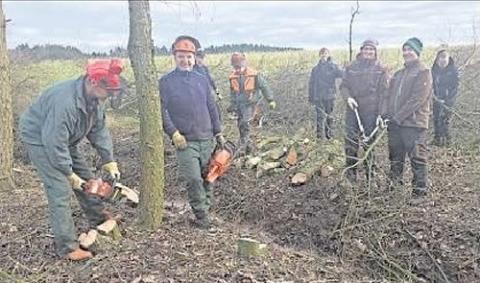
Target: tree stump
{"points": [[249, 247]]}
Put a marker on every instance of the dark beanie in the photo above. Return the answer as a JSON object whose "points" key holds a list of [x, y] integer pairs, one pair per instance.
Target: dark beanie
{"points": [[370, 42], [415, 44]]}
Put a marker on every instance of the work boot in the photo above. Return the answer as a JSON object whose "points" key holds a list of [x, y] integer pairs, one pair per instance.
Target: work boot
{"points": [[203, 223], [395, 185], [79, 255], [448, 141], [420, 191]]}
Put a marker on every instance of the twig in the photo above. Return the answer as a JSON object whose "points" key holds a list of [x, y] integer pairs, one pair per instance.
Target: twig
{"points": [[18, 238], [393, 263], [469, 58], [453, 112], [430, 255], [366, 153], [365, 223], [19, 264]]}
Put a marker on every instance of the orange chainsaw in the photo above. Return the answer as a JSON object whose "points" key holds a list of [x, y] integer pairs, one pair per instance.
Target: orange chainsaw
{"points": [[110, 190], [220, 161]]}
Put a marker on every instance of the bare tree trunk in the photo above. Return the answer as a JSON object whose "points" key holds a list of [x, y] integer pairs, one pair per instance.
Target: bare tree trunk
{"points": [[354, 13], [140, 50], [6, 115]]}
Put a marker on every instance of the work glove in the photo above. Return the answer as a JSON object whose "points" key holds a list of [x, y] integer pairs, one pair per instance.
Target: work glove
{"points": [[179, 140], [381, 123], [112, 169], [75, 181], [272, 105], [220, 139], [352, 103]]}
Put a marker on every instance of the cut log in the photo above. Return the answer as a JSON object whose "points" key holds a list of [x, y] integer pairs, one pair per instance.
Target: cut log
{"points": [[88, 239], [326, 171], [250, 247], [252, 162], [111, 229], [299, 179], [129, 194], [292, 156], [275, 153], [122, 191], [268, 140], [323, 159], [264, 167]]}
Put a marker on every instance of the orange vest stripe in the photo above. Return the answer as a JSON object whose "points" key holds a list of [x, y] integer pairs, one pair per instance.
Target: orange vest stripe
{"points": [[249, 84]]}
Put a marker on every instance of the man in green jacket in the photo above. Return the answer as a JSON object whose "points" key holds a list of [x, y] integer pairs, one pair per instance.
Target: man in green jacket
{"points": [[245, 87], [407, 106], [51, 129]]}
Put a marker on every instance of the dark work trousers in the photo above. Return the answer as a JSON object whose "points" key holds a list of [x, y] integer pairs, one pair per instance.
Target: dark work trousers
{"points": [[353, 142], [409, 141], [441, 120], [324, 109]]}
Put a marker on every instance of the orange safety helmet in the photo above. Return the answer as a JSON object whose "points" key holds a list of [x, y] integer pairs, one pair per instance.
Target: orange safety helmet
{"points": [[237, 59], [185, 43], [107, 70]]}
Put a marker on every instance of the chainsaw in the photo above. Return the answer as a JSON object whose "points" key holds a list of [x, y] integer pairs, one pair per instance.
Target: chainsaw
{"points": [[108, 189], [220, 161]]}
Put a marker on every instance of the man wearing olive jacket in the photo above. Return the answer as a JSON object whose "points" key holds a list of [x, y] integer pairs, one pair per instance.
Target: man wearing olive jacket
{"points": [[407, 106], [51, 130]]}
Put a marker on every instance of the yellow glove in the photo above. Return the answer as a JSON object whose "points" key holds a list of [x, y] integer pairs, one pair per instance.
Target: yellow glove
{"points": [[75, 181], [179, 140], [272, 105], [112, 169]]}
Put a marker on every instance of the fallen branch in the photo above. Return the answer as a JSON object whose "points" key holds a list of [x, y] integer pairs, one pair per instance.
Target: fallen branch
{"points": [[430, 255], [366, 153]]}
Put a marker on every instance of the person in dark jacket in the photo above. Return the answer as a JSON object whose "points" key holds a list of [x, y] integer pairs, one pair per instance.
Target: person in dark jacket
{"points": [[51, 129], [407, 107], [445, 90], [202, 68], [364, 84], [191, 119], [321, 92]]}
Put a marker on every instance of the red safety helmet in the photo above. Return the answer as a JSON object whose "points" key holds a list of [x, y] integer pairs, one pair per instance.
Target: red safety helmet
{"points": [[185, 43], [107, 71]]}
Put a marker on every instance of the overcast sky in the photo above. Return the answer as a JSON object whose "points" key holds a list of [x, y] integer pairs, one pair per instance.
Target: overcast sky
{"points": [[99, 26]]}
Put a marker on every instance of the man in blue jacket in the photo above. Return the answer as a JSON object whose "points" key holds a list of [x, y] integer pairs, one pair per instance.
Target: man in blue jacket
{"points": [[191, 119], [52, 128]]}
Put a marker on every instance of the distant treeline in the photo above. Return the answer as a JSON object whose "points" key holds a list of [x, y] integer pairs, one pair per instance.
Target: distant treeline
{"points": [[26, 53]]}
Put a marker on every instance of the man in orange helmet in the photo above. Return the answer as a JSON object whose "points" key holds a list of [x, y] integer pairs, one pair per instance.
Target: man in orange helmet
{"points": [[191, 119], [51, 130], [245, 87]]}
